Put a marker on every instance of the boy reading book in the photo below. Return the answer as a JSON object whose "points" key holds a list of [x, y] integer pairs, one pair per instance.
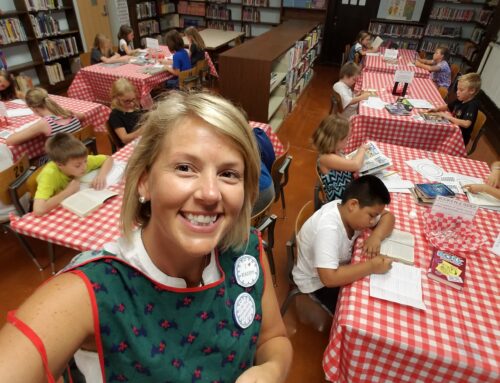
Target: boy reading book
{"points": [[60, 177], [348, 75], [326, 239]]}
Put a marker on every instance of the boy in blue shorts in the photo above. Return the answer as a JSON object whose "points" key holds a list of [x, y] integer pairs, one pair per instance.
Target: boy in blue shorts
{"points": [[60, 177], [326, 239]]}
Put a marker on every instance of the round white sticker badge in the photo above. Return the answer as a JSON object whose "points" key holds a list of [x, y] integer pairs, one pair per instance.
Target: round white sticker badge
{"points": [[246, 270], [244, 310]]}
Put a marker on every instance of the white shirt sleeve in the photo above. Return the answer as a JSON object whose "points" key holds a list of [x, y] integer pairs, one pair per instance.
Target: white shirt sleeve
{"points": [[345, 93], [122, 44]]}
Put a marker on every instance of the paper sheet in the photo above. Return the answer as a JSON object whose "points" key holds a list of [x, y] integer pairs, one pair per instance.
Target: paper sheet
{"points": [[114, 176], [420, 103], [374, 103], [19, 112], [402, 284], [427, 168], [18, 101], [393, 181], [496, 246], [455, 181]]}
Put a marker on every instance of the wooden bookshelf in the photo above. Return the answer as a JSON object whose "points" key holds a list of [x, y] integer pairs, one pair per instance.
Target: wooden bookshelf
{"points": [[261, 75]]}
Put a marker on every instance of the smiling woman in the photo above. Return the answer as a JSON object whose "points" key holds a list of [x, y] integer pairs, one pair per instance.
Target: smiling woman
{"points": [[182, 294]]}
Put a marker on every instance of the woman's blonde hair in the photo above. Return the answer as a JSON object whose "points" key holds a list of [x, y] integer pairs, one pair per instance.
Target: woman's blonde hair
{"points": [[39, 98], [119, 88], [329, 133], [195, 35], [158, 123]]}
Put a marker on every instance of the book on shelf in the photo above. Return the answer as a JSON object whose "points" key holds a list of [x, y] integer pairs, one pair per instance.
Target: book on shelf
{"points": [[55, 73], [43, 5], [11, 31], [447, 268], [433, 118], [374, 160], [399, 246], [432, 190], [85, 201]]}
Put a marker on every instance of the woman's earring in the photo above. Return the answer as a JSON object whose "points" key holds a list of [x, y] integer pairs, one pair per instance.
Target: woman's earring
{"points": [[142, 199]]}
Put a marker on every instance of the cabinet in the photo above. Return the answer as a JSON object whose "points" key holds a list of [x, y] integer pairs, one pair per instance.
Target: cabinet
{"points": [[152, 19], [266, 75], [401, 34], [43, 41]]}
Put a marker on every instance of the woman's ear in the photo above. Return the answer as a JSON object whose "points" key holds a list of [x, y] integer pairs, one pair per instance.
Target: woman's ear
{"points": [[143, 186]]}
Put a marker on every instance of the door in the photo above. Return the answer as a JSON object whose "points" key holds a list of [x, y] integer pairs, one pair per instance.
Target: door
{"points": [[343, 22], [94, 19]]}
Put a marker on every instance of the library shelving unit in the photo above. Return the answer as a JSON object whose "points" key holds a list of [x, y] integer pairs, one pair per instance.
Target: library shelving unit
{"points": [[403, 34], [152, 18], [44, 42], [266, 75], [319, 5], [460, 25]]}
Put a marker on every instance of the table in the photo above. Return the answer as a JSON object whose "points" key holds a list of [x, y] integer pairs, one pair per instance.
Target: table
{"points": [[216, 38], [64, 228], [406, 58], [93, 83], [455, 339], [373, 124], [95, 114]]}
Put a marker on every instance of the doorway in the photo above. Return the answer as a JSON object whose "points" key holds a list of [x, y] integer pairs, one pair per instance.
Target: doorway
{"points": [[94, 19]]}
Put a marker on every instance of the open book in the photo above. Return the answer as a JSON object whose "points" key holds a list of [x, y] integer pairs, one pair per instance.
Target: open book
{"points": [[374, 160], [483, 200], [86, 201], [377, 42], [399, 246]]}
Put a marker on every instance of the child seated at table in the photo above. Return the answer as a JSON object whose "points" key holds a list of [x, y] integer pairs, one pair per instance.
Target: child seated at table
{"points": [[464, 109], [334, 169], [125, 41], [348, 75], [267, 158], [362, 46], [8, 87], [103, 53], [492, 186], [125, 111], [438, 66], [196, 45], [326, 239], [180, 60], [59, 178], [54, 118]]}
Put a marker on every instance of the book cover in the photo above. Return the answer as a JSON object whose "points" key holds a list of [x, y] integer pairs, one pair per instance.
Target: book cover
{"points": [[374, 160], [399, 246], [432, 190], [447, 268], [418, 199], [397, 109], [86, 201], [434, 118]]}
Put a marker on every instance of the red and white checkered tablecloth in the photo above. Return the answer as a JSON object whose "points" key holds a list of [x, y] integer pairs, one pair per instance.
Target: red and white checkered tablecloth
{"points": [[455, 339], [90, 233], [380, 125], [95, 114], [93, 83], [406, 57]]}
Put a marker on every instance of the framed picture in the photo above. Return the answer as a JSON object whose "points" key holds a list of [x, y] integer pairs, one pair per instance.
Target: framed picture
{"points": [[404, 10]]}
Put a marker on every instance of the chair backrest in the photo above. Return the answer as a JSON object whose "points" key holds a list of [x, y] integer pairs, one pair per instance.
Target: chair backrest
{"points": [[87, 136], [257, 217], [304, 214], [345, 55], [319, 192], [443, 91], [114, 140], [454, 72], [279, 172], [336, 103], [9, 175], [189, 79], [477, 131]]}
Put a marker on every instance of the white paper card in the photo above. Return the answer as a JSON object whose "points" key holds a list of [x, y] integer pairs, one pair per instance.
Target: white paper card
{"points": [[374, 54], [18, 101], [401, 284], [454, 208], [393, 182], [114, 176], [426, 168], [496, 246], [404, 76], [391, 54], [420, 104], [19, 112], [152, 43], [374, 103]]}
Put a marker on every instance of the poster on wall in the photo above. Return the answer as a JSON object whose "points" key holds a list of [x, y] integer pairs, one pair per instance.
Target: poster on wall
{"points": [[406, 10]]}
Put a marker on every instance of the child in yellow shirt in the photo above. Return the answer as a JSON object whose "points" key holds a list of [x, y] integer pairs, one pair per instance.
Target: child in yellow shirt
{"points": [[60, 177]]}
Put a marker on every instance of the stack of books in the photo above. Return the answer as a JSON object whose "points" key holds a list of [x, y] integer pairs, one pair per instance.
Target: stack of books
{"points": [[425, 194]]}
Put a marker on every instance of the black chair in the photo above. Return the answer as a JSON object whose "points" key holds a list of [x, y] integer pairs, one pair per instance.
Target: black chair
{"points": [[279, 174]]}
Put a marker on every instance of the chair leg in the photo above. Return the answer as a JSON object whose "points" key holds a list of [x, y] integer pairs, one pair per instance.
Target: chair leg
{"points": [[283, 204], [272, 266], [291, 294], [51, 257], [27, 248]]}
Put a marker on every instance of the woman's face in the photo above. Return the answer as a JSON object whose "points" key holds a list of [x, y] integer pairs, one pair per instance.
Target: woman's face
{"points": [[4, 83], [196, 189], [127, 100]]}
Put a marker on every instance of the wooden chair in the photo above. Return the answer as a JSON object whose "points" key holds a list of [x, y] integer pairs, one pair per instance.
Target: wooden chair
{"points": [[204, 72], [9, 177], [279, 174], [345, 54], [114, 140], [336, 106], [422, 54], [291, 250], [189, 79], [477, 131], [443, 91], [319, 192], [454, 72]]}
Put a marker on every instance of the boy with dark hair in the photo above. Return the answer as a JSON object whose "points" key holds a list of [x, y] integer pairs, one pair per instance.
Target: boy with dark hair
{"points": [[347, 78], [464, 109], [325, 240], [60, 177]]}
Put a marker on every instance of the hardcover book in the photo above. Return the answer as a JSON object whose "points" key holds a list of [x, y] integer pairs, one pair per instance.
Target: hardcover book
{"points": [[397, 109], [447, 268], [434, 118], [432, 190]]}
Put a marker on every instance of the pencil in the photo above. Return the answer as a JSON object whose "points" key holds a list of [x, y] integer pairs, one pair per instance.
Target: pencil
{"points": [[391, 173]]}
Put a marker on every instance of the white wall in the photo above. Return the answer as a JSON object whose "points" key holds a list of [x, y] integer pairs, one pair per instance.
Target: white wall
{"points": [[488, 69]]}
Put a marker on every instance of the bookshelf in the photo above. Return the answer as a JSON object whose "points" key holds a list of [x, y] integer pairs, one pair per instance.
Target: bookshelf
{"points": [[266, 75], [41, 39], [319, 5], [403, 34]]}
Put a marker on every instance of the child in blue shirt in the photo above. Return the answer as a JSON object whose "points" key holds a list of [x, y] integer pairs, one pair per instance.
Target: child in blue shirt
{"points": [[438, 66], [180, 61]]}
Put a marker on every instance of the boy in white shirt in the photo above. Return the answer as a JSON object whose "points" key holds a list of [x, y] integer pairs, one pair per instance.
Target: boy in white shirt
{"points": [[325, 240], [348, 75]]}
